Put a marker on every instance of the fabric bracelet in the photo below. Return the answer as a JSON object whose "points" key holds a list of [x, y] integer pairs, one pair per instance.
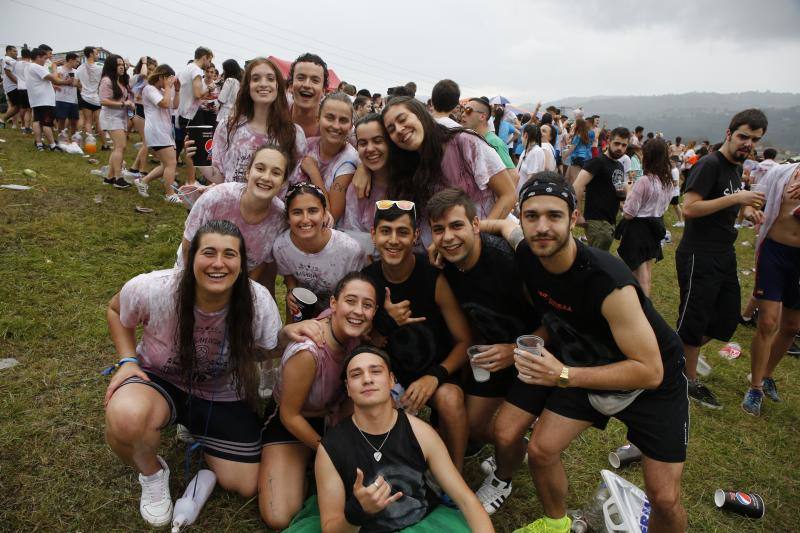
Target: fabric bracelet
{"points": [[439, 372], [354, 513], [110, 370]]}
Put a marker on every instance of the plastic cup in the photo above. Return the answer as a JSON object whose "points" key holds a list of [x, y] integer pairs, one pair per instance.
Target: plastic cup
{"points": [[531, 344], [480, 374], [624, 455], [306, 300], [747, 504]]}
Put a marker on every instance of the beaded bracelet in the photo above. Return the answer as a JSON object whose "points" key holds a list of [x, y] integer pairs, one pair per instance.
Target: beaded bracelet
{"points": [[110, 370]]}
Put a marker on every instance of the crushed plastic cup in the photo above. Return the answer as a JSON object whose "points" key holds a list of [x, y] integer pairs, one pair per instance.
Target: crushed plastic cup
{"points": [[703, 368], [732, 350]]}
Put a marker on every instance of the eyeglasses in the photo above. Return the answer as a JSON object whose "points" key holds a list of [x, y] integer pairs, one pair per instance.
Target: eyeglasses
{"points": [[403, 205]]}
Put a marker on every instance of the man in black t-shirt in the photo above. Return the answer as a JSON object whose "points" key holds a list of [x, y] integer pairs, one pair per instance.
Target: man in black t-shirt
{"points": [[706, 258], [370, 469], [483, 275], [427, 334], [603, 179], [616, 357]]}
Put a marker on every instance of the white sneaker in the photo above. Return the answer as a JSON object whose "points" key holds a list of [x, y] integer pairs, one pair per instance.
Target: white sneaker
{"points": [[141, 187], [678, 225], [183, 434], [489, 465], [173, 199], [129, 175], [156, 503], [493, 493]]}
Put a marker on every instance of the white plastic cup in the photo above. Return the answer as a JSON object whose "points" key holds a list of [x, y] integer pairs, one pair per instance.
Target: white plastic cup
{"points": [[480, 374]]}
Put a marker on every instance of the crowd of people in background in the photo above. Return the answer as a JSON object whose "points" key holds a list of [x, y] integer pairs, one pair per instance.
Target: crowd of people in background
{"points": [[434, 237]]}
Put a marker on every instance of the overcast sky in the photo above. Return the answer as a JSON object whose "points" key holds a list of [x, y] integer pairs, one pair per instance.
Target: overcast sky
{"points": [[526, 50]]}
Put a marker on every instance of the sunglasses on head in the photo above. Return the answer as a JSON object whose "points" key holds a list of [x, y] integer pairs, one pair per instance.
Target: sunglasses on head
{"points": [[305, 186], [403, 205]]}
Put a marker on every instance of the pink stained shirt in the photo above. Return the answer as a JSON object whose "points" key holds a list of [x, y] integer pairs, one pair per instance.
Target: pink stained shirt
{"points": [[150, 300], [648, 198], [233, 159], [222, 202], [327, 390], [344, 162]]}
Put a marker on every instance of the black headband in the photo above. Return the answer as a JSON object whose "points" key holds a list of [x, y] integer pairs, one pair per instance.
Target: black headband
{"points": [[365, 348], [548, 188]]}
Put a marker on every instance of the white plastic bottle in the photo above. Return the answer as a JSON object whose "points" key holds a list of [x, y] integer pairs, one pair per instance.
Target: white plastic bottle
{"points": [[188, 507]]}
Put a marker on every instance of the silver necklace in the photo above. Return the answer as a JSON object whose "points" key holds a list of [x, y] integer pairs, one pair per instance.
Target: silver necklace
{"points": [[377, 455]]}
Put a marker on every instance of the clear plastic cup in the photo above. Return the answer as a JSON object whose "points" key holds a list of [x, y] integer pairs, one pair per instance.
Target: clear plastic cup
{"points": [[531, 344], [480, 374]]}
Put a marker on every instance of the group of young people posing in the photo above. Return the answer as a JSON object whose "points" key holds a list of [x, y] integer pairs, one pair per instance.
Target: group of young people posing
{"points": [[410, 270]]}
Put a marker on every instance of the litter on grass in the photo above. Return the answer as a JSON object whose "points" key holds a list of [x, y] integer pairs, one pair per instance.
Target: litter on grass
{"points": [[140, 209], [8, 362], [30, 173], [15, 187]]}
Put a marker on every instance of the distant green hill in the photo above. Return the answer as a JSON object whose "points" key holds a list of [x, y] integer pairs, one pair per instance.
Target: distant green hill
{"points": [[695, 115]]}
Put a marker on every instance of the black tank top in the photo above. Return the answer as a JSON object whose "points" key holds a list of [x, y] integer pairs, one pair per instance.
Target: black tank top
{"points": [[402, 465], [414, 348]]}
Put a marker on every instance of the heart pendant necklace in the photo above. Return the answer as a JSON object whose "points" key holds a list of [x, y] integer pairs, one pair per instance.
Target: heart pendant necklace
{"points": [[377, 455]]}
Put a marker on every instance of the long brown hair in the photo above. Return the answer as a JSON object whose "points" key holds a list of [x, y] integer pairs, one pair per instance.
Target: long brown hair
{"points": [[582, 130], [241, 362], [280, 127], [656, 161]]}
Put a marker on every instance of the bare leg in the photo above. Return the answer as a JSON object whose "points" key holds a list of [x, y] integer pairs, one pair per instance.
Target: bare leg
{"points": [[750, 308], [769, 316], [510, 427], [480, 413], [48, 135], [448, 400], [790, 326], [281, 483], [235, 476], [134, 416], [552, 434], [643, 275], [692, 354], [115, 159], [141, 156], [662, 483]]}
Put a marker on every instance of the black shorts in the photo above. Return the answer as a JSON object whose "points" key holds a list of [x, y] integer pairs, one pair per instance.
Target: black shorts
{"points": [[83, 104], [139, 112], [67, 110], [710, 296], [657, 420], [14, 97], [180, 133], [530, 398], [228, 430], [22, 97], [497, 387], [274, 432], [157, 148], [577, 161], [675, 200], [45, 115], [778, 274]]}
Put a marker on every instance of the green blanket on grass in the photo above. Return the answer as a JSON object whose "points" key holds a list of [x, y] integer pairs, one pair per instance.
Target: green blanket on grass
{"points": [[441, 519]]}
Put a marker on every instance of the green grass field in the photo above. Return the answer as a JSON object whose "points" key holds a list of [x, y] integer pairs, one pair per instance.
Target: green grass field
{"points": [[68, 244]]}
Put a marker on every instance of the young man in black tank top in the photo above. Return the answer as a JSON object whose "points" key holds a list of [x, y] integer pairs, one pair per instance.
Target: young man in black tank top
{"points": [[483, 275], [370, 468], [427, 334], [620, 358]]}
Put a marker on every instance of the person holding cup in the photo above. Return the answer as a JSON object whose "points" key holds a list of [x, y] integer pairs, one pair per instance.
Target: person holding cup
{"points": [[612, 355], [309, 254], [481, 271]]}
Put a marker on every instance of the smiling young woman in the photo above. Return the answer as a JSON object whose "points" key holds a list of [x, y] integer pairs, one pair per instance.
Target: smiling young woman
{"points": [[331, 161], [310, 388], [309, 254], [204, 327], [425, 157], [253, 206]]}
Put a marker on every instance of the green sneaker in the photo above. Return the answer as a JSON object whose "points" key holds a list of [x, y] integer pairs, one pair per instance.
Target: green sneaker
{"points": [[547, 525]]}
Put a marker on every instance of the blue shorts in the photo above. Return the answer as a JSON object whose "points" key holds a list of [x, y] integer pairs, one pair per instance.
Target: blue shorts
{"points": [[778, 274], [66, 110]]}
